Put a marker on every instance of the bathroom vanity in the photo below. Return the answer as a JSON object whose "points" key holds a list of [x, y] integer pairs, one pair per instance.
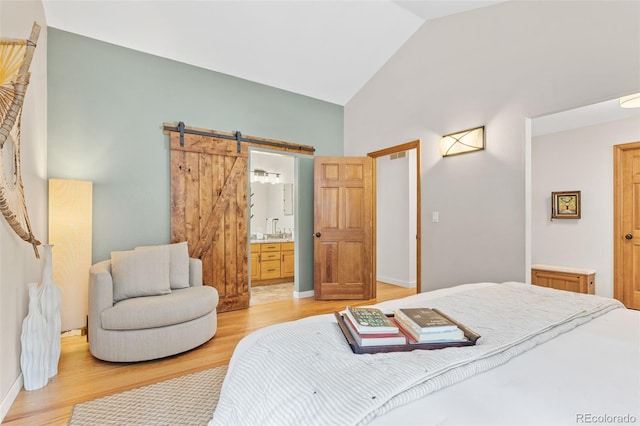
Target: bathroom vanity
{"points": [[271, 261]]}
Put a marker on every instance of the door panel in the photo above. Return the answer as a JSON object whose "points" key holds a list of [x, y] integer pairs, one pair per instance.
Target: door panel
{"points": [[627, 224], [343, 218], [209, 211]]}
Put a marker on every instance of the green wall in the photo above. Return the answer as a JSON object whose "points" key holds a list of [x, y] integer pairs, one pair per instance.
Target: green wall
{"points": [[106, 108]]}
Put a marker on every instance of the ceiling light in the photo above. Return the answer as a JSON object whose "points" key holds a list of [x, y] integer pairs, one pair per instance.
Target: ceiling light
{"points": [[631, 101], [462, 142]]}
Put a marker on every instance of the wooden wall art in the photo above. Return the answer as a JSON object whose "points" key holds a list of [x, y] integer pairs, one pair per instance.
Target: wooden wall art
{"points": [[15, 59]]}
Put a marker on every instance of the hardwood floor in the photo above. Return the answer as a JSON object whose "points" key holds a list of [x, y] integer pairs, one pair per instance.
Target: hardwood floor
{"points": [[82, 377]]}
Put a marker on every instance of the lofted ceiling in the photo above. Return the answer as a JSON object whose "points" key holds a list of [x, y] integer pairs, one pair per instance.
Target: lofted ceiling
{"points": [[324, 49]]}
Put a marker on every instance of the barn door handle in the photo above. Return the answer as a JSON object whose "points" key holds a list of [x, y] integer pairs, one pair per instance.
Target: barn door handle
{"points": [[317, 235], [628, 236]]}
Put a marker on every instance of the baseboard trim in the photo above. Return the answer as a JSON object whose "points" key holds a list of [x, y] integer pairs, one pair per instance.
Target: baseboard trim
{"points": [[401, 283], [11, 396], [303, 294]]}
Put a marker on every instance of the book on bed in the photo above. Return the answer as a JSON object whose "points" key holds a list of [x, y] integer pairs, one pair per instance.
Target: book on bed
{"points": [[370, 320], [425, 320], [378, 339], [454, 335]]}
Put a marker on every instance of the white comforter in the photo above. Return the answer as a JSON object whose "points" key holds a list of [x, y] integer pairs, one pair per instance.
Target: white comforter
{"points": [[304, 373]]}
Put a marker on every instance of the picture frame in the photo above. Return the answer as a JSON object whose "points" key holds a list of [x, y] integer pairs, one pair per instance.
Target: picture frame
{"points": [[565, 205]]}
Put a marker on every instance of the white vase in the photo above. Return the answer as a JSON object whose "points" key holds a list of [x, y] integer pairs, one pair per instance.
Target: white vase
{"points": [[49, 294], [33, 359]]}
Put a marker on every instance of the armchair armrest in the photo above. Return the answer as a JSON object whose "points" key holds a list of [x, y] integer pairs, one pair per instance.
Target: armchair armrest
{"points": [[100, 290], [195, 272]]}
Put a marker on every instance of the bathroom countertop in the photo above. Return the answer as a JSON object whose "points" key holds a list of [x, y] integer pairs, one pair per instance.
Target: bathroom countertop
{"points": [[272, 240]]}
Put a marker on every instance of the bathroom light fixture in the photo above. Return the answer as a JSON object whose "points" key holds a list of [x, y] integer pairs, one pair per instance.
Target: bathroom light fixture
{"points": [[262, 176], [631, 101], [462, 142]]}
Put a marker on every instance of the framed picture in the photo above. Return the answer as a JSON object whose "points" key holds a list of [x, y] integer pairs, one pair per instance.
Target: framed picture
{"points": [[565, 205]]}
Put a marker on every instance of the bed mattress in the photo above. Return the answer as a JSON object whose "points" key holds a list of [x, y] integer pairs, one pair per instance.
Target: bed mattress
{"points": [[587, 374]]}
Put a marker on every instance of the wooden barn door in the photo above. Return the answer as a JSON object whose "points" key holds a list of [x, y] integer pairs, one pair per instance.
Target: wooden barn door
{"points": [[209, 211], [209, 206]]}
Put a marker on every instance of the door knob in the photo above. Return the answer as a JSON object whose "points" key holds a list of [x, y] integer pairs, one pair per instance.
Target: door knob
{"points": [[317, 235], [628, 236]]}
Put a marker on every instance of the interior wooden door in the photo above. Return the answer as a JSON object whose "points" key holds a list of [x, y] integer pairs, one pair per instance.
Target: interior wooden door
{"points": [[343, 223], [627, 224], [209, 210]]}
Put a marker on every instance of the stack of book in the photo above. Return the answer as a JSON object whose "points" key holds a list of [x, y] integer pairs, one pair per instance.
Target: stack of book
{"points": [[425, 325], [371, 327]]}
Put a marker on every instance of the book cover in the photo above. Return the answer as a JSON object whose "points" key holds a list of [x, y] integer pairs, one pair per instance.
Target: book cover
{"points": [[383, 339], [370, 320], [425, 320]]}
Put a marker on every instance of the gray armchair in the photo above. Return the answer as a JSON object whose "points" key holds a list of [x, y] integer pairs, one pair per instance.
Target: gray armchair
{"points": [[149, 327]]}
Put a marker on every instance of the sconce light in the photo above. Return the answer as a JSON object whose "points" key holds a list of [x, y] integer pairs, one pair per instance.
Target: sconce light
{"points": [[631, 101], [462, 142], [262, 176]]}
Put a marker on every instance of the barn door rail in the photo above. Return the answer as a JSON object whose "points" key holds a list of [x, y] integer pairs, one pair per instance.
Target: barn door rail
{"points": [[237, 136]]}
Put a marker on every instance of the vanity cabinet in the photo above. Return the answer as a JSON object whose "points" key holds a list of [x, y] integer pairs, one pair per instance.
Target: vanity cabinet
{"points": [[564, 278], [286, 260], [255, 262], [271, 261]]}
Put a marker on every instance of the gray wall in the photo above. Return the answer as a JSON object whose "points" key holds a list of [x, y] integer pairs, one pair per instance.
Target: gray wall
{"points": [[18, 265], [493, 66], [107, 105]]}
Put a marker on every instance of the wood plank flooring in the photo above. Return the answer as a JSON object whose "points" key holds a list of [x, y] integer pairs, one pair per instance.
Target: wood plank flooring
{"points": [[82, 377]]}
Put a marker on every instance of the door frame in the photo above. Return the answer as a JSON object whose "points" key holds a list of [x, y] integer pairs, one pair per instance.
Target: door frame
{"points": [[618, 284], [415, 144], [294, 158]]}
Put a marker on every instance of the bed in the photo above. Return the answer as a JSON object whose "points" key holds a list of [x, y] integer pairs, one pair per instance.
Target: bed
{"points": [[545, 357]]}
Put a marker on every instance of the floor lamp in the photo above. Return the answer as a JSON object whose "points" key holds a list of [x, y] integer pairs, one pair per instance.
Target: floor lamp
{"points": [[70, 232]]}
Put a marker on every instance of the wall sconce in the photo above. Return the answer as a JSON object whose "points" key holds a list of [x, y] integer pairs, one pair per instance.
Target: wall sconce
{"points": [[631, 101], [70, 232], [462, 142], [262, 176]]}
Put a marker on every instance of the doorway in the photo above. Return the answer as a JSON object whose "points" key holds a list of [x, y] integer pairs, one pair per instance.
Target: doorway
{"points": [[271, 226], [397, 215]]}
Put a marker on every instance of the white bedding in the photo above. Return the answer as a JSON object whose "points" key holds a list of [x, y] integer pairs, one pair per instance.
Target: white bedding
{"points": [[590, 371]]}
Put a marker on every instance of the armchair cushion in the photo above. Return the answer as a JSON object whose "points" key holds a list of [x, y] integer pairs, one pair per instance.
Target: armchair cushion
{"points": [[178, 264], [180, 306], [140, 273]]}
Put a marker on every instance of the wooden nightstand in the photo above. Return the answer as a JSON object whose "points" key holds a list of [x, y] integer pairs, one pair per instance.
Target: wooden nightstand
{"points": [[579, 280]]}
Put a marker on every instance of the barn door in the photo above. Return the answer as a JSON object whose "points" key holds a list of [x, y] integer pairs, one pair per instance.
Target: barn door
{"points": [[209, 211]]}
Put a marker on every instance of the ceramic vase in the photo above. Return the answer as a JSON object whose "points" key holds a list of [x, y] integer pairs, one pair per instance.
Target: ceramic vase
{"points": [[49, 294], [33, 359]]}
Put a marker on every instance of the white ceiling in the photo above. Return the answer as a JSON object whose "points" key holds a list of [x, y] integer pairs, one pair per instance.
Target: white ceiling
{"points": [[323, 49]]}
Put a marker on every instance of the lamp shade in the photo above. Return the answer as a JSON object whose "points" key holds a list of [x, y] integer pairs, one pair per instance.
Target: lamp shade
{"points": [[631, 101], [462, 142], [70, 231]]}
